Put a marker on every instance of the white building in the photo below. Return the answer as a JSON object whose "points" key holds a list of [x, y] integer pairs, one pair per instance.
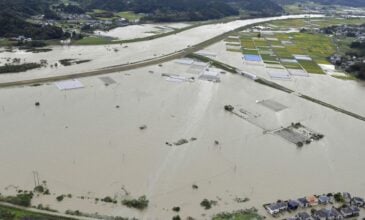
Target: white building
{"points": [[210, 74]]}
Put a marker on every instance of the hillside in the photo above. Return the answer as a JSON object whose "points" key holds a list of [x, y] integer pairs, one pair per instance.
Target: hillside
{"points": [[353, 3], [13, 26], [185, 10], [13, 13]]}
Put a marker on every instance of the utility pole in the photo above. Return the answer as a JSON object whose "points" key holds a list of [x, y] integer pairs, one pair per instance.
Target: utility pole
{"points": [[36, 178]]}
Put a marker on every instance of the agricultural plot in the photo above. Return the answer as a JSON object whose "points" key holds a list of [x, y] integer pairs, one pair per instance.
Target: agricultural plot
{"points": [[248, 44], [297, 53], [318, 22], [311, 66]]}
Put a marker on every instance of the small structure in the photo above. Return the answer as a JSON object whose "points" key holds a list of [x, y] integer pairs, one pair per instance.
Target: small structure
{"points": [[333, 214], [249, 75], [303, 216], [303, 202], [327, 214], [312, 200], [357, 201], [323, 200], [293, 204], [210, 74], [275, 208], [320, 214], [69, 84], [349, 212]]}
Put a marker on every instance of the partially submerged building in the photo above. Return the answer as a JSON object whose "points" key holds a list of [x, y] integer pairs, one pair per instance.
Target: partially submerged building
{"points": [[275, 208], [210, 74]]}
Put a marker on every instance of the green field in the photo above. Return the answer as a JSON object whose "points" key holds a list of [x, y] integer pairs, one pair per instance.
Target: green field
{"points": [[311, 66], [7, 213], [92, 41], [248, 44], [130, 15], [315, 22], [317, 46]]}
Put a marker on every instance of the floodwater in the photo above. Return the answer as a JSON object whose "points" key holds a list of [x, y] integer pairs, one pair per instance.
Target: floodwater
{"points": [[139, 31], [80, 143]]}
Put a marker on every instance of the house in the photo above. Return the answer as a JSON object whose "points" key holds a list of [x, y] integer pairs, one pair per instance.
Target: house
{"points": [[277, 207], [350, 211], [312, 200], [333, 214], [357, 201], [210, 75], [303, 216], [303, 202], [355, 211], [323, 200], [327, 214], [346, 212], [293, 204], [320, 214]]}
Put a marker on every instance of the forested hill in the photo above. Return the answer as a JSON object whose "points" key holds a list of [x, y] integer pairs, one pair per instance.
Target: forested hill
{"points": [[353, 3], [175, 10], [13, 13]]}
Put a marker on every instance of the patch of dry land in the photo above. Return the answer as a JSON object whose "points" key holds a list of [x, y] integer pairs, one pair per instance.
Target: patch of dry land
{"points": [[162, 132]]}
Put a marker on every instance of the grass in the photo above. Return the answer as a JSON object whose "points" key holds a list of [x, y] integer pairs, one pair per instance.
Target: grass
{"points": [[291, 65], [283, 53], [253, 52], [238, 215], [267, 57], [92, 41], [5, 42], [8, 213], [347, 77], [311, 66], [248, 44], [129, 15], [316, 22]]}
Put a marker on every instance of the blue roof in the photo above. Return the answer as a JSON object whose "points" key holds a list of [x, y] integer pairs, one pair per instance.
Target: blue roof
{"points": [[252, 57]]}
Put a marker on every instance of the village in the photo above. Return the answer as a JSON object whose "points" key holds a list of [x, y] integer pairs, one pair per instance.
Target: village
{"points": [[318, 207]]}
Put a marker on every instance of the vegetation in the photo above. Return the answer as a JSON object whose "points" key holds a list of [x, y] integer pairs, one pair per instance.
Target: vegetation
{"points": [[10, 213], [338, 197], [249, 214], [176, 209], [10, 68], [140, 203], [13, 26], [353, 3], [60, 198], [207, 204], [21, 199], [108, 199]]}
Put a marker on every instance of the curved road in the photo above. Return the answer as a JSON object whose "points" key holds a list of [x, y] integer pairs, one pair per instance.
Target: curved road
{"points": [[143, 63]]}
